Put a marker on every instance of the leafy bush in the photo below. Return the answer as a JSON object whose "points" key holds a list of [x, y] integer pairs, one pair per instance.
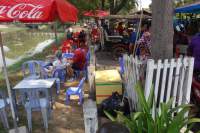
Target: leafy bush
{"points": [[156, 120]]}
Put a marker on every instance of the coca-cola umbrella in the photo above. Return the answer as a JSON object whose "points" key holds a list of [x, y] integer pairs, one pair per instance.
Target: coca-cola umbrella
{"points": [[96, 13], [33, 11], [30, 11]]}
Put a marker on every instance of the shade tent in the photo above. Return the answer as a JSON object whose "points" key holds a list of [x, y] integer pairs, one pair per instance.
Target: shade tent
{"points": [[32, 11], [192, 8]]}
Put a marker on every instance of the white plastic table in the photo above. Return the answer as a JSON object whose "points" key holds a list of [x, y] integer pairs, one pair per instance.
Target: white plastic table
{"points": [[34, 84]]}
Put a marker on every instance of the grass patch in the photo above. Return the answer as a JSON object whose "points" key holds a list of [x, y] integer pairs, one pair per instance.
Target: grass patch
{"points": [[22, 44], [13, 29], [14, 73]]}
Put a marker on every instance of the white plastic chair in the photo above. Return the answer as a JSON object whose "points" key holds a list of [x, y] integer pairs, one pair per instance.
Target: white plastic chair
{"points": [[3, 115], [37, 100], [31, 69]]}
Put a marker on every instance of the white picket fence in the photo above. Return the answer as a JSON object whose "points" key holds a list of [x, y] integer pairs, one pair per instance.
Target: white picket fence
{"points": [[133, 72], [169, 79]]}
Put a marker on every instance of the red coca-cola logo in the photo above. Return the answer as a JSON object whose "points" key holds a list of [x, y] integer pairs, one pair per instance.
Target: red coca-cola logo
{"points": [[21, 11]]}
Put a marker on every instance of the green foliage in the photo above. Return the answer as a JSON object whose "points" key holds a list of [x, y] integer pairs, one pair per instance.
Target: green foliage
{"points": [[85, 5], [151, 120], [114, 6], [179, 3]]}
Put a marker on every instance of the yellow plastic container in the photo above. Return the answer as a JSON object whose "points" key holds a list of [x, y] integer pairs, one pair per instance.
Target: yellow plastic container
{"points": [[107, 82]]}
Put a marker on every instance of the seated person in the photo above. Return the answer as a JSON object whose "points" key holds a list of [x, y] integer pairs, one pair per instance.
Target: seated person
{"points": [[79, 59], [67, 46], [75, 40], [56, 63], [59, 62], [82, 37]]}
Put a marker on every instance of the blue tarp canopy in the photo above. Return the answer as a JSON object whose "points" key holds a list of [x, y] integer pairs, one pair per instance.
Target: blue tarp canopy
{"points": [[193, 8]]}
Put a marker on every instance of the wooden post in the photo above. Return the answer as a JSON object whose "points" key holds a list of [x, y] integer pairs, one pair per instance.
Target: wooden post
{"points": [[138, 34], [8, 83], [55, 32]]}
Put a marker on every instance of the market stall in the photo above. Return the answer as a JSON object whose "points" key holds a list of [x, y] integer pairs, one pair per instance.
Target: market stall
{"points": [[192, 8], [186, 24]]}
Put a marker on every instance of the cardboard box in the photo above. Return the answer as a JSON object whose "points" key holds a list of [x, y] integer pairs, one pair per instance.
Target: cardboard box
{"points": [[107, 82]]}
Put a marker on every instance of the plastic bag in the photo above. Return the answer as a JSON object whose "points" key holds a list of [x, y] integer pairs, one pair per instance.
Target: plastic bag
{"points": [[111, 104]]}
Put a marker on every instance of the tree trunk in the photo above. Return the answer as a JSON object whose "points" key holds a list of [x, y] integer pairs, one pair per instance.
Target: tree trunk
{"points": [[162, 29], [102, 4]]}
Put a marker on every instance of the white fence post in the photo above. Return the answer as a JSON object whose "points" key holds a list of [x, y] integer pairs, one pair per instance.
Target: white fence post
{"points": [[149, 77], [169, 79]]}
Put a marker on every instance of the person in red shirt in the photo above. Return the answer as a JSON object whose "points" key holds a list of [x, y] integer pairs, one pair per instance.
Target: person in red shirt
{"points": [[75, 40], [79, 59], [95, 32], [67, 46], [120, 28]]}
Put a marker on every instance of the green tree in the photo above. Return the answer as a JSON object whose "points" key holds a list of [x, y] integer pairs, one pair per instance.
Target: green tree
{"points": [[179, 3], [85, 5], [115, 6]]}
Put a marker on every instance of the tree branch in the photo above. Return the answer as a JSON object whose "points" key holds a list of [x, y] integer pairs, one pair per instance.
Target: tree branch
{"points": [[119, 6]]}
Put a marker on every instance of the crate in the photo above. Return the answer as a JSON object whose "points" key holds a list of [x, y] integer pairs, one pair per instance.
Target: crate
{"points": [[107, 82]]}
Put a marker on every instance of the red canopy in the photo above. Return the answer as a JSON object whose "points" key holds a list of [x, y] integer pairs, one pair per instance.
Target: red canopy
{"points": [[96, 13], [30, 11]]}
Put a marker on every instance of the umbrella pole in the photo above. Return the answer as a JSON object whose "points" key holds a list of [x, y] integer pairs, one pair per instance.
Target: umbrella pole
{"points": [[55, 32], [8, 83]]}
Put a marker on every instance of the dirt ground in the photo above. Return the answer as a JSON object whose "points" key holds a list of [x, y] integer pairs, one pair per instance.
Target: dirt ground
{"points": [[69, 118], [105, 60], [64, 118]]}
